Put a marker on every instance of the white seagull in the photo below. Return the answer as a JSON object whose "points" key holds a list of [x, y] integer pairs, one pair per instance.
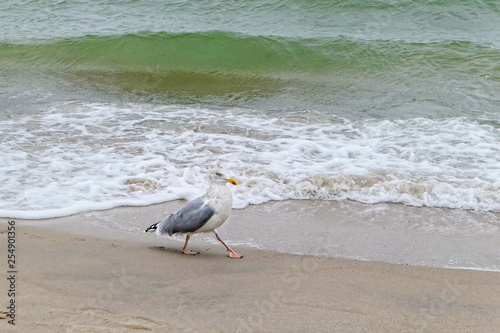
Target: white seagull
{"points": [[203, 214]]}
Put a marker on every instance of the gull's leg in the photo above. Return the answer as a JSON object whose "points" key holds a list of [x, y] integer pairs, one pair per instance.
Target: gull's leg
{"points": [[230, 252], [185, 245]]}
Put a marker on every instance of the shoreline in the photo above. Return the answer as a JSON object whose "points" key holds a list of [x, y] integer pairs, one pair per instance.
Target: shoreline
{"points": [[106, 282], [390, 233]]}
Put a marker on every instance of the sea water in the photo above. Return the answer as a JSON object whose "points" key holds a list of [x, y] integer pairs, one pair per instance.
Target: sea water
{"points": [[115, 103]]}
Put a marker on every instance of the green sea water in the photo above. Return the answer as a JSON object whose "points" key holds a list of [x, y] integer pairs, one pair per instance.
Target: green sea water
{"points": [[352, 58]]}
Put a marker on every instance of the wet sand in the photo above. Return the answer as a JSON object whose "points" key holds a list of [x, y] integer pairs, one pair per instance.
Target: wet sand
{"points": [[77, 277]]}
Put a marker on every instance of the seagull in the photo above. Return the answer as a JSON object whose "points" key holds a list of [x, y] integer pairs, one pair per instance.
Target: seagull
{"points": [[203, 214]]}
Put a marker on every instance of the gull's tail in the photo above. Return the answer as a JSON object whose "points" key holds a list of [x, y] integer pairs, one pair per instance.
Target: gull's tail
{"points": [[152, 227]]}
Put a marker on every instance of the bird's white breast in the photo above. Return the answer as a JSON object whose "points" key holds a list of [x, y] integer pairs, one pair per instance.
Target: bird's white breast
{"points": [[221, 199]]}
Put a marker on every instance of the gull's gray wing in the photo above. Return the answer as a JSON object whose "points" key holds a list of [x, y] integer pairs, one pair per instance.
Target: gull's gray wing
{"points": [[188, 219]]}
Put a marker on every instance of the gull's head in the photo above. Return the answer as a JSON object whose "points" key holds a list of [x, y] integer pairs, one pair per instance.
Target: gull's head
{"points": [[220, 176]]}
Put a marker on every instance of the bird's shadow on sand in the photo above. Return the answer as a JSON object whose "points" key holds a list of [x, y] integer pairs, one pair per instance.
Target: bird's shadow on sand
{"points": [[177, 251]]}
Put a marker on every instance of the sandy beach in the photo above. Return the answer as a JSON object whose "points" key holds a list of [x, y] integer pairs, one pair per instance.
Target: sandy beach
{"points": [[77, 277]]}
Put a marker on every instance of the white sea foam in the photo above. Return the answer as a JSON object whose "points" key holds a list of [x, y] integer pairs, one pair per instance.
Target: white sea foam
{"points": [[77, 157]]}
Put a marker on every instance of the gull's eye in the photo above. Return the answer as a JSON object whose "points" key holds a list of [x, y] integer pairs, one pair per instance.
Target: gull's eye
{"points": [[218, 174]]}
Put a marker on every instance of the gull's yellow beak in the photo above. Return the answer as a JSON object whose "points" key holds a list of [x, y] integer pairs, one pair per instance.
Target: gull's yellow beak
{"points": [[232, 181]]}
